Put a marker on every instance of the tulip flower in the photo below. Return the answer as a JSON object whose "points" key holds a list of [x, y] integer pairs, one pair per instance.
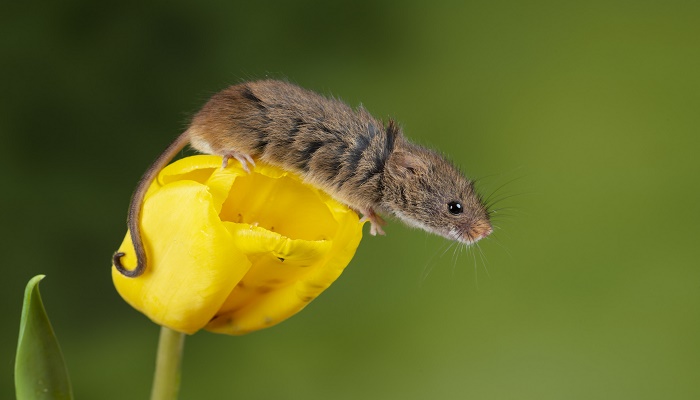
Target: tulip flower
{"points": [[233, 252]]}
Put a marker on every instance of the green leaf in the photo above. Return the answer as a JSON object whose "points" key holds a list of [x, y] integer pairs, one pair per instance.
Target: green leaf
{"points": [[40, 372]]}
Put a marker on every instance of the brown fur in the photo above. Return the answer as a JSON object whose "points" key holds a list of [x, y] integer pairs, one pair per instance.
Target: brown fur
{"points": [[348, 153]]}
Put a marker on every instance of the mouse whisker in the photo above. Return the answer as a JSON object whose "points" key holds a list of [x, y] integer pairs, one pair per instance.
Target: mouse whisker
{"points": [[432, 262], [490, 196], [495, 238], [476, 270], [497, 210], [496, 200], [483, 259], [455, 257], [483, 177], [503, 217]]}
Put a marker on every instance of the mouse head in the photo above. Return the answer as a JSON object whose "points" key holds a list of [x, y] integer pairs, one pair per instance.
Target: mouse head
{"points": [[425, 191]]}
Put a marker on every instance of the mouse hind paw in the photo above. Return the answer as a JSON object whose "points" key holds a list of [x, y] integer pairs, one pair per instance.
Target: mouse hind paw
{"points": [[242, 158]]}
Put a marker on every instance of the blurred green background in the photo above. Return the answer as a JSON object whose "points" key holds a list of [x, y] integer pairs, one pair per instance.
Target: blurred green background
{"points": [[587, 112]]}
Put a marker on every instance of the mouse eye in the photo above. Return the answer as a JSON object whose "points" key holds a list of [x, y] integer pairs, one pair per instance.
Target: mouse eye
{"points": [[455, 207]]}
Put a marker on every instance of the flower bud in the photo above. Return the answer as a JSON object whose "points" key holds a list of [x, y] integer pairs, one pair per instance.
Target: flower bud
{"points": [[233, 252]]}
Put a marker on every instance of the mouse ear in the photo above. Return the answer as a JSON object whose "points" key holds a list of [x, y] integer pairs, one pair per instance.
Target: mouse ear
{"points": [[406, 164]]}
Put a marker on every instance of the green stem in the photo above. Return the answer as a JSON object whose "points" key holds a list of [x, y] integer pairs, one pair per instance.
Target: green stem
{"points": [[166, 382]]}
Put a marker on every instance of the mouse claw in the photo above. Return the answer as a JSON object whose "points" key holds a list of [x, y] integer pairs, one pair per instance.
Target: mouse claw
{"points": [[243, 158], [375, 220], [376, 229]]}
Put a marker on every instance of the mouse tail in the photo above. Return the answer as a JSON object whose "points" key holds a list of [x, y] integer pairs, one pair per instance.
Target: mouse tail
{"points": [[134, 217]]}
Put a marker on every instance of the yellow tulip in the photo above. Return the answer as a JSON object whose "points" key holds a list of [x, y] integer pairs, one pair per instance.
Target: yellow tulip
{"points": [[233, 252]]}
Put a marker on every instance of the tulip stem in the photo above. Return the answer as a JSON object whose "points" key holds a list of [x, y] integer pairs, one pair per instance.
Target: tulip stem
{"points": [[166, 382]]}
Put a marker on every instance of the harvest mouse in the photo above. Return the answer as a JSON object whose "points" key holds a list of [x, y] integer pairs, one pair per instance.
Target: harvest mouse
{"points": [[349, 154]]}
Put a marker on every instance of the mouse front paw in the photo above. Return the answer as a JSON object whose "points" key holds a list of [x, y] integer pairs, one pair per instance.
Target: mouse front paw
{"points": [[375, 220]]}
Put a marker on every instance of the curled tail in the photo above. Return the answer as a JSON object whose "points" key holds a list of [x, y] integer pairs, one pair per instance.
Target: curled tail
{"points": [[134, 217]]}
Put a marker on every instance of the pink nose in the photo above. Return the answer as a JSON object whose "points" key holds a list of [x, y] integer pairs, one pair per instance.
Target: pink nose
{"points": [[480, 230]]}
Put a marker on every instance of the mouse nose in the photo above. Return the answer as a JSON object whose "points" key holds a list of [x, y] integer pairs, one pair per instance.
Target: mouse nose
{"points": [[480, 230]]}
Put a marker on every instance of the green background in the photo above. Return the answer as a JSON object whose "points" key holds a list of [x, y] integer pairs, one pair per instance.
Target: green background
{"points": [[587, 112]]}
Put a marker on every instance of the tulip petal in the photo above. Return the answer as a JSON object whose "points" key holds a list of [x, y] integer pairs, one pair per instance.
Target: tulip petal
{"points": [[279, 202], [193, 265], [278, 261], [275, 289], [205, 170], [253, 240]]}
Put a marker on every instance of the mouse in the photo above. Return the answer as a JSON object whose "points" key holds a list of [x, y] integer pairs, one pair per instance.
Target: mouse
{"points": [[357, 159]]}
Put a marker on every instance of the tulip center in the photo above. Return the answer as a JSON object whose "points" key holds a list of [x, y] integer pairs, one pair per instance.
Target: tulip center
{"points": [[279, 205]]}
